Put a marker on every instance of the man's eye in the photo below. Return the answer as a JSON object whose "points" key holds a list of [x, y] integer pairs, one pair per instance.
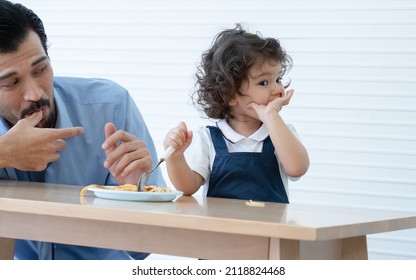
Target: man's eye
{"points": [[8, 85], [41, 70]]}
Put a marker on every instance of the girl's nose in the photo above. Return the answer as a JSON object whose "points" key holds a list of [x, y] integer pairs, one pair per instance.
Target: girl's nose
{"points": [[278, 89]]}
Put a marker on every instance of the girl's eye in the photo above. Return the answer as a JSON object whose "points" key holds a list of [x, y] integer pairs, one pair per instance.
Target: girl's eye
{"points": [[279, 81], [264, 83]]}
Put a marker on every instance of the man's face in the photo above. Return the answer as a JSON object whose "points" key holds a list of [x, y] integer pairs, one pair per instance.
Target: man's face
{"points": [[26, 83]]}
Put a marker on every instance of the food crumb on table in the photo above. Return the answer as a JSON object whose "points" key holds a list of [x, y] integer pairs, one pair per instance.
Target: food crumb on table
{"points": [[252, 203]]}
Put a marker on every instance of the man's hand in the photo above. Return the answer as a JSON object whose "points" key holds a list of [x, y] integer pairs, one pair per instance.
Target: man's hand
{"points": [[126, 156], [29, 148]]}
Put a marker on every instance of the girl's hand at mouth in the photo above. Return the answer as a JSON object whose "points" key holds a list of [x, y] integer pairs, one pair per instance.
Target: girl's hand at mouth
{"points": [[275, 105]]}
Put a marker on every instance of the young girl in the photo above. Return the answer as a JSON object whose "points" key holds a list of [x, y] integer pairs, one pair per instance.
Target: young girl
{"points": [[250, 152]]}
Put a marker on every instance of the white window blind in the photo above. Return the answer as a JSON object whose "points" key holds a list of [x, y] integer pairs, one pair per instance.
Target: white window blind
{"points": [[354, 80]]}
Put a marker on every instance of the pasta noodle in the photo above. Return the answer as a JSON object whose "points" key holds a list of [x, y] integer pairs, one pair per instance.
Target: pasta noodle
{"points": [[255, 203], [156, 189], [127, 187]]}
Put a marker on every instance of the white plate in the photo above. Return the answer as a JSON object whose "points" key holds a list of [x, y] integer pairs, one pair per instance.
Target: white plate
{"points": [[134, 196]]}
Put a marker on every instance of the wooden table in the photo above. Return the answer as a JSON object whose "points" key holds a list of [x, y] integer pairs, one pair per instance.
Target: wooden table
{"points": [[206, 228]]}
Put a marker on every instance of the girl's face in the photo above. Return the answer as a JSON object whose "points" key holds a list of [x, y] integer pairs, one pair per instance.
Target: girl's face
{"points": [[262, 86]]}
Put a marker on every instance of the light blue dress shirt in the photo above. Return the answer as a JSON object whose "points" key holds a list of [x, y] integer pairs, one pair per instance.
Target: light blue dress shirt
{"points": [[89, 103]]}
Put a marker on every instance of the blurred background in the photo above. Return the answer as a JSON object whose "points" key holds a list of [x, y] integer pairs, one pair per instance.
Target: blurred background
{"points": [[354, 79]]}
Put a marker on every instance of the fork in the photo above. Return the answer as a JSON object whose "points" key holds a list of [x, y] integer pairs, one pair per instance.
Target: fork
{"points": [[145, 175]]}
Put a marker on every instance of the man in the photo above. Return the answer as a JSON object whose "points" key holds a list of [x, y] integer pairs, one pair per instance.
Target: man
{"points": [[64, 130]]}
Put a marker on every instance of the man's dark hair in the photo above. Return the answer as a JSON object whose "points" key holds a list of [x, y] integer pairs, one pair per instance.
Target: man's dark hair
{"points": [[16, 21]]}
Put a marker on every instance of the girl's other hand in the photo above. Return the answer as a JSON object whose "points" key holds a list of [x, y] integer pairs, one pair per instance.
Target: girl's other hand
{"points": [[179, 138]]}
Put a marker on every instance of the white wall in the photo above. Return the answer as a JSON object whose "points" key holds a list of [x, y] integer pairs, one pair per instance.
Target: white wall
{"points": [[353, 75]]}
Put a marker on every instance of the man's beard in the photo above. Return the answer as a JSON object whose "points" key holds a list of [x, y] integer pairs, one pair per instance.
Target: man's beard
{"points": [[48, 122]]}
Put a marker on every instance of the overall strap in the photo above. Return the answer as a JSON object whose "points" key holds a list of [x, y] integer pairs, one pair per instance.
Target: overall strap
{"points": [[268, 146], [218, 140]]}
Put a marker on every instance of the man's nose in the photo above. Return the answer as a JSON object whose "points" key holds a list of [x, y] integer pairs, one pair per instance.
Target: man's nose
{"points": [[32, 90]]}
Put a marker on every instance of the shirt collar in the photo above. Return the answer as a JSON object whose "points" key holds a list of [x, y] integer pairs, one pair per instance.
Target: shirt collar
{"points": [[234, 137], [4, 126], [63, 120]]}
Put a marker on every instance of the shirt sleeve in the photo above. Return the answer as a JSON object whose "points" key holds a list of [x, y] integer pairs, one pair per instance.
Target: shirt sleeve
{"points": [[199, 153]]}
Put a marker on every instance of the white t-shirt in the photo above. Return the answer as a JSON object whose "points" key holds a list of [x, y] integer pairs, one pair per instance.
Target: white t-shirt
{"points": [[201, 153]]}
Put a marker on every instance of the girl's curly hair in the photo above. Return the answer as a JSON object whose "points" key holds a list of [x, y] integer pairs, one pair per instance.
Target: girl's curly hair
{"points": [[227, 63]]}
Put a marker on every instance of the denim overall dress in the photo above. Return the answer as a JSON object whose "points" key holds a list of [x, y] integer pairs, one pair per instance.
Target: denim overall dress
{"points": [[245, 175]]}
